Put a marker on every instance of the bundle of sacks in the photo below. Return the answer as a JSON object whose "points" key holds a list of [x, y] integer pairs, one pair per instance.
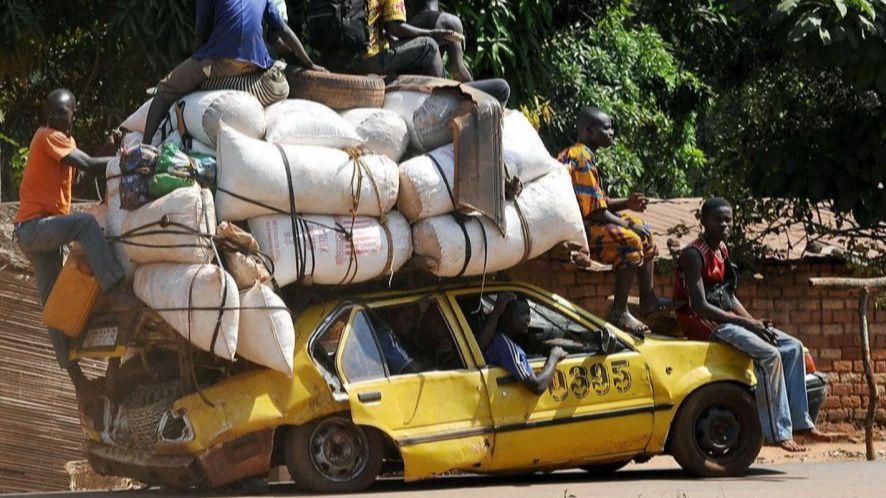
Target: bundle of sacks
{"points": [[235, 200], [545, 213]]}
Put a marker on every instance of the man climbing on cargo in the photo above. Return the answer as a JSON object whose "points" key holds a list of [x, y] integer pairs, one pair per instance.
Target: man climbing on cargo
{"points": [[705, 283], [44, 225], [388, 46], [508, 320], [620, 240], [229, 41]]}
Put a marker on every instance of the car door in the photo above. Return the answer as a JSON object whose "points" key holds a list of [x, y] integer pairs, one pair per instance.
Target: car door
{"points": [[598, 406], [437, 414]]}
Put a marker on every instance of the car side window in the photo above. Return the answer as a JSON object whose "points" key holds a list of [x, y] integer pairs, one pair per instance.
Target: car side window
{"points": [[361, 358], [415, 338], [547, 328]]}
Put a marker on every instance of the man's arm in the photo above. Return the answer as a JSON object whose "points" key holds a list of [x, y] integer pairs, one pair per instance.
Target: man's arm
{"points": [[488, 332], [692, 264], [288, 38], [539, 382], [403, 31], [606, 217], [86, 163]]}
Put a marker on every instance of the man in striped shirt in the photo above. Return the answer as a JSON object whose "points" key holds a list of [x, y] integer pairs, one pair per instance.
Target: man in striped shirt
{"points": [[509, 319]]}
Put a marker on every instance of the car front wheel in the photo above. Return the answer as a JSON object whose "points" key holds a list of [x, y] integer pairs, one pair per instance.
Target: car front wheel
{"points": [[716, 432], [333, 455]]}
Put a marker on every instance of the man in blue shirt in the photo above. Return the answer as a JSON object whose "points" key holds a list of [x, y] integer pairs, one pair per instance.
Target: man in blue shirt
{"points": [[509, 319], [229, 41]]}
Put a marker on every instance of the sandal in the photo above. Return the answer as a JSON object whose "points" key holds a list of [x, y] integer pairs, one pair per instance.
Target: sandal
{"points": [[662, 305], [637, 328]]}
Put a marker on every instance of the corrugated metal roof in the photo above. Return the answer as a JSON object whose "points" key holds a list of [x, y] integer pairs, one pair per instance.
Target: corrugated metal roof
{"points": [[675, 223]]}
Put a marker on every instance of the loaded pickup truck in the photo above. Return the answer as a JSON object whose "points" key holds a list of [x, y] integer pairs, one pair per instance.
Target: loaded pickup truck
{"points": [[168, 415]]}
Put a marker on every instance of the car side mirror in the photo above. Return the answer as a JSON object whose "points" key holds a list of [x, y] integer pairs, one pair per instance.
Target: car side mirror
{"points": [[606, 340]]}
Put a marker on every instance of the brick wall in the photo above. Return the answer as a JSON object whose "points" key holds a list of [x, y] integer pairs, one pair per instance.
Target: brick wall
{"points": [[826, 321]]}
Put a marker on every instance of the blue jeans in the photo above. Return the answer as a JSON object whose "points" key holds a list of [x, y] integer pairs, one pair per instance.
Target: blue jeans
{"points": [[781, 380], [43, 239]]}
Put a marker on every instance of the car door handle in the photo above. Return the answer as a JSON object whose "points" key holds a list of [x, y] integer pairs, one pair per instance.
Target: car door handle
{"points": [[369, 397]]}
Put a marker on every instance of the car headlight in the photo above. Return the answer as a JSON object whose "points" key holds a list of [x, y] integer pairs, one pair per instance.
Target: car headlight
{"points": [[175, 427]]}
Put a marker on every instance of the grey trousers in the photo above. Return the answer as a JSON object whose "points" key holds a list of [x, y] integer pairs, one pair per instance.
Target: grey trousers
{"points": [[43, 241]]}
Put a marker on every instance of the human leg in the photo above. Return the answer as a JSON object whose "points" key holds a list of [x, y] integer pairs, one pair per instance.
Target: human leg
{"points": [[416, 56], [498, 88], [49, 235], [623, 249], [771, 392], [455, 52], [182, 80], [792, 357]]}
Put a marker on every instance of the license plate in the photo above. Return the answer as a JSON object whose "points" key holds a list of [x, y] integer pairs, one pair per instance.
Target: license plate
{"points": [[102, 337]]}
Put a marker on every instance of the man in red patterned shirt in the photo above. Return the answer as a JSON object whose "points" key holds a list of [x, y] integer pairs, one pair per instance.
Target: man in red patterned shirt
{"points": [[712, 312]]}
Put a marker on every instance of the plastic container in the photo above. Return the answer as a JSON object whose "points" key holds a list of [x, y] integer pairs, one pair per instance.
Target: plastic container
{"points": [[73, 296]]}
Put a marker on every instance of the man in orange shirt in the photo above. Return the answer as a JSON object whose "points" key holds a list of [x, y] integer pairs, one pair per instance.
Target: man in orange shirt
{"points": [[44, 225]]}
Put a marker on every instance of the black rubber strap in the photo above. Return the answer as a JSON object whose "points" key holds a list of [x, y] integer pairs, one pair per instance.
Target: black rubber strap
{"points": [[468, 249], [293, 219], [445, 182]]}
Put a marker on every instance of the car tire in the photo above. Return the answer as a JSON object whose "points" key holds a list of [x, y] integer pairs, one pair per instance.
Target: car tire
{"points": [[603, 469], [333, 455], [716, 432], [337, 91]]}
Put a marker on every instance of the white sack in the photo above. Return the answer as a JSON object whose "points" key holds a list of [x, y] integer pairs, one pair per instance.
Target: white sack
{"points": [[136, 120], [524, 154], [424, 193], [384, 131], [204, 112], [116, 215], [427, 116], [329, 254], [322, 179], [175, 285], [196, 146], [132, 139], [267, 335], [303, 122], [552, 216], [187, 210]]}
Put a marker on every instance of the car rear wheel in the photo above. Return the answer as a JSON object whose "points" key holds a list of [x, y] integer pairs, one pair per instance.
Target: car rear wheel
{"points": [[716, 432], [333, 455]]}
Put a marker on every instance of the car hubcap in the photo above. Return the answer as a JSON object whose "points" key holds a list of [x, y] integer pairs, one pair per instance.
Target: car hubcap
{"points": [[717, 431], [338, 450]]}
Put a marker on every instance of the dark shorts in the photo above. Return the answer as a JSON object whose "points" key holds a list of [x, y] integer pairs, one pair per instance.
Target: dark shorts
{"points": [[402, 57]]}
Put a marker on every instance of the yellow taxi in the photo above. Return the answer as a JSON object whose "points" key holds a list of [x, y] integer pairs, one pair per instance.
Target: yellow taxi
{"points": [[352, 410]]}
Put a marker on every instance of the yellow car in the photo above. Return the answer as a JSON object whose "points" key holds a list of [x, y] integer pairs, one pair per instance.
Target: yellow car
{"points": [[354, 410]]}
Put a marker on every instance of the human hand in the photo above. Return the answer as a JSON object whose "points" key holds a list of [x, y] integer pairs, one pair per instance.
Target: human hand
{"points": [[114, 138], [637, 202], [558, 353], [762, 328], [447, 35], [640, 230], [503, 299]]}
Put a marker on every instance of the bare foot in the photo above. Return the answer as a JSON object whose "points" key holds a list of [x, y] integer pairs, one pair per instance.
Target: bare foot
{"points": [[790, 446], [815, 435], [627, 322]]}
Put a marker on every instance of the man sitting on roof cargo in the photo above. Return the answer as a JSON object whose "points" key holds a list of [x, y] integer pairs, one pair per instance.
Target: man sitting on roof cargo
{"points": [[620, 240], [509, 319], [44, 225], [229, 42], [705, 282], [415, 50]]}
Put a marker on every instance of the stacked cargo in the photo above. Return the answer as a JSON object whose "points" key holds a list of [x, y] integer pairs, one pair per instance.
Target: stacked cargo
{"points": [[236, 200]]}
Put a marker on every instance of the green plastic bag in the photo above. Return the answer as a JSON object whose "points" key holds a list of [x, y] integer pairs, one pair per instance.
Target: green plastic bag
{"points": [[175, 170], [164, 183]]}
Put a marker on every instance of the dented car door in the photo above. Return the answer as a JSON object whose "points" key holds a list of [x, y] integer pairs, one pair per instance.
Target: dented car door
{"points": [[438, 417]]}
